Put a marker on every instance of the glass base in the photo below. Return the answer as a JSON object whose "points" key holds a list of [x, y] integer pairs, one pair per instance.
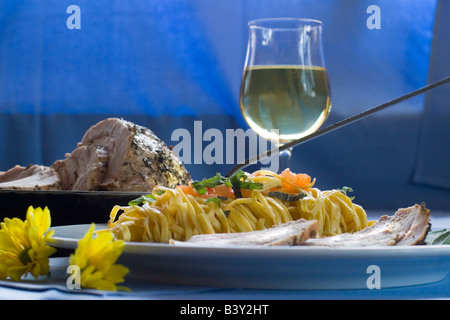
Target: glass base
{"points": [[285, 160]]}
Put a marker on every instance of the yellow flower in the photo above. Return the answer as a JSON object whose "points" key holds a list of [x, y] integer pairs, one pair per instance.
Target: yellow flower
{"points": [[23, 245], [96, 258]]}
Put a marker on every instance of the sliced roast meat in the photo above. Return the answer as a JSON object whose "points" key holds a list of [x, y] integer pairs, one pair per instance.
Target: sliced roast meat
{"points": [[419, 226], [289, 234], [114, 155], [32, 177], [18, 172], [83, 169], [408, 226], [138, 160]]}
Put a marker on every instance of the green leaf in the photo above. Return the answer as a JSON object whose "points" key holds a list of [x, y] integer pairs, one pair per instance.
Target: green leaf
{"points": [[214, 181], [286, 196], [145, 198], [215, 200], [142, 200], [436, 237], [250, 185], [238, 182], [217, 180], [344, 190], [198, 185]]}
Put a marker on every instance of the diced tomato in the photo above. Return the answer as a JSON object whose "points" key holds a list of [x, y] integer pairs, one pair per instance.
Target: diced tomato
{"points": [[224, 191], [188, 189], [210, 192], [301, 180], [289, 176], [246, 193], [217, 191]]}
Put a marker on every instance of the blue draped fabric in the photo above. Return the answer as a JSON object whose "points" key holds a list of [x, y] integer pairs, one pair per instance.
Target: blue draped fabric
{"points": [[166, 64], [433, 158]]}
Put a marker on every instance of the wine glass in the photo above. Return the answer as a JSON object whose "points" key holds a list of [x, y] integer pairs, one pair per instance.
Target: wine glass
{"points": [[285, 91]]}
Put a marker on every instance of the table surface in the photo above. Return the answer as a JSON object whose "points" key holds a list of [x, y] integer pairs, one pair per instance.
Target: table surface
{"points": [[54, 287]]}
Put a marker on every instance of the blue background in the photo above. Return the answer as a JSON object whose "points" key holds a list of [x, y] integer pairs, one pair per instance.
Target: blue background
{"points": [[165, 64]]}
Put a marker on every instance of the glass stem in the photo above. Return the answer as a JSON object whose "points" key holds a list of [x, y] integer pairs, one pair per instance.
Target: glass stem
{"points": [[285, 159]]}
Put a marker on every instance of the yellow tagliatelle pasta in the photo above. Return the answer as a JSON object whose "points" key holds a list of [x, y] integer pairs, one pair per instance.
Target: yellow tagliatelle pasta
{"points": [[179, 213]]}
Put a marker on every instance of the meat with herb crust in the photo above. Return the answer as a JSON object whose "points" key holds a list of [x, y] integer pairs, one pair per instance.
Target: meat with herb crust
{"points": [[113, 155], [137, 159], [83, 169]]}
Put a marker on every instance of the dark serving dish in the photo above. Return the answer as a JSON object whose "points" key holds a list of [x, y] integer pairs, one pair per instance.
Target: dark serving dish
{"points": [[66, 207]]}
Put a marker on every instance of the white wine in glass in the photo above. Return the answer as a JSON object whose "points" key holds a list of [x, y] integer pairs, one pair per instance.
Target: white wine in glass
{"points": [[285, 84]]}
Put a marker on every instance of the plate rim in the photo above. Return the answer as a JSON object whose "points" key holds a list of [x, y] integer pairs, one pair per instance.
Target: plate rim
{"points": [[145, 248], [276, 267]]}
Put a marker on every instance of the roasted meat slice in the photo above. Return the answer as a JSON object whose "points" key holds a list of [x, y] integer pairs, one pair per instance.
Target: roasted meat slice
{"points": [[114, 155], [138, 160], [289, 234], [32, 177], [83, 169], [17, 172], [408, 226]]}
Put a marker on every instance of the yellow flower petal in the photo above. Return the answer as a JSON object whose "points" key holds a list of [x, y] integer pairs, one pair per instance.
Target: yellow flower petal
{"points": [[23, 245], [96, 257]]}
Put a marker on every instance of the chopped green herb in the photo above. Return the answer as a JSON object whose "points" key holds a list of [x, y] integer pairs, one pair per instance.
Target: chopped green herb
{"points": [[201, 186], [215, 200], [237, 176], [142, 199], [145, 198], [286, 196], [435, 237], [214, 181], [198, 185], [344, 190], [236, 182]]}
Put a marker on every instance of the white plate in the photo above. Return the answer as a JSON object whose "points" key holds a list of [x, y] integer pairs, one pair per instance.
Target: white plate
{"points": [[276, 267]]}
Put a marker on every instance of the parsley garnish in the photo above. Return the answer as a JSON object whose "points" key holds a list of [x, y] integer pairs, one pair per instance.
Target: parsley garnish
{"points": [[286, 196], [438, 237], [217, 180], [145, 198], [215, 200], [237, 182], [344, 190]]}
